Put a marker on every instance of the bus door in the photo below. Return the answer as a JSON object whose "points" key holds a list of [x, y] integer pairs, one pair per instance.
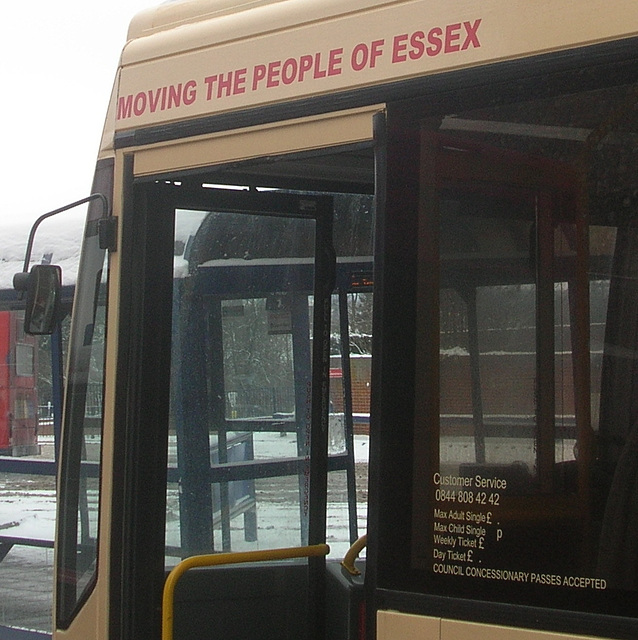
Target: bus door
{"points": [[249, 407], [226, 423]]}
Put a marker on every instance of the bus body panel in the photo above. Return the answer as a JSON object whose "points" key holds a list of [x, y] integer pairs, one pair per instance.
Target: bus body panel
{"points": [[18, 388], [5, 380], [392, 625], [347, 128], [276, 57]]}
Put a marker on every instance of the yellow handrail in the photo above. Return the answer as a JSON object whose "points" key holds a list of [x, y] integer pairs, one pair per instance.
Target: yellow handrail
{"points": [[352, 554], [216, 559]]}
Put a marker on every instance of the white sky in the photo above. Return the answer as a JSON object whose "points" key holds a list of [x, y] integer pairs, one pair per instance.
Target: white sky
{"points": [[59, 61]]}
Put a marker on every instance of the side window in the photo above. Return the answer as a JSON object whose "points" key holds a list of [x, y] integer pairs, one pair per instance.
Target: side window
{"points": [[81, 446], [525, 401]]}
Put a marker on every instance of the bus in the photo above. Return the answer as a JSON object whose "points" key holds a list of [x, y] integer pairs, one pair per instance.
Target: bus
{"points": [[448, 189], [18, 392]]}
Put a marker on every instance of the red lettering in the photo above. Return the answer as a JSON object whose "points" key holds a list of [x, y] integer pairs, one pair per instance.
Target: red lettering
{"points": [[399, 46], [417, 44], [154, 98], [178, 94], [436, 43], [139, 104], [239, 86], [334, 62], [259, 73], [318, 71], [471, 37], [452, 37], [375, 51], [305, 64], [190, 92], [359, 57], [174, 95], [278, 72], [439, 40], [273, 74], [224, 85], [231, 84], [289, 71], [124, 107], [210, 83], [159, 99]]}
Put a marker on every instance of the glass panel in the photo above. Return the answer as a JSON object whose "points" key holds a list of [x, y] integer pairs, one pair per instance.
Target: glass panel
{"points": [[27, 520], [80, 469], [241, 382], [28, 495], [258, 358], [528, 237], [349, 392], [24, 360], [488, 349], [487, 377], [489, 358], [602, 242]]}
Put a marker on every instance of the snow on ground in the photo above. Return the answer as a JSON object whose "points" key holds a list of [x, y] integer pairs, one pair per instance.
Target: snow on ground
{"points": [[27, 503], [27, 510]]}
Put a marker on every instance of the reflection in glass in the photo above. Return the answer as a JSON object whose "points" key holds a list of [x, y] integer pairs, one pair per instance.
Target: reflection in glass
{"points": [[528, 255], [241, 381]]}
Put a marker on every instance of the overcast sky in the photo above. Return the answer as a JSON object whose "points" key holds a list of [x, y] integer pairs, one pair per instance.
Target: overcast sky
{"points": [[59, 61]]}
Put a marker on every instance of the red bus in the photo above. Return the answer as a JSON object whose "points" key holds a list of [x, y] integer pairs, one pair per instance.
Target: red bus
{"points": [[18, 391]]}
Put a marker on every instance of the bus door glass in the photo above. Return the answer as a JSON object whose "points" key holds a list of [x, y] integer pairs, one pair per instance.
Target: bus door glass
{"points": [[247, 268]]}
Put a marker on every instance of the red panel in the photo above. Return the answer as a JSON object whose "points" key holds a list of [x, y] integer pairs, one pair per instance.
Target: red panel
{"points": [[5, 387], [23, 394]]}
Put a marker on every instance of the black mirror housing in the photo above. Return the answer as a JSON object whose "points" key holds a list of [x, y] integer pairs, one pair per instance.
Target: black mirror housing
{"points": [[44, 288]]}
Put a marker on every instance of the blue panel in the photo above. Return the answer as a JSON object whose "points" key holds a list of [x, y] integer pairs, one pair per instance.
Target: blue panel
{"points": [[9, 633]]}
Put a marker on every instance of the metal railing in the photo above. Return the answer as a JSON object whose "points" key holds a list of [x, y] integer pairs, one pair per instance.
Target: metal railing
{"points": [[211, 560]]}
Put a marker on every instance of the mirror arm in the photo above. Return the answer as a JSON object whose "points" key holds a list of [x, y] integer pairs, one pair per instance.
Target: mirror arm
{"points": [[20, 279]]}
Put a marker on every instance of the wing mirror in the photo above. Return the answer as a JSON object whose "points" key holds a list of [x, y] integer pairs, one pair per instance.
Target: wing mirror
{"points": [[43, 286]]}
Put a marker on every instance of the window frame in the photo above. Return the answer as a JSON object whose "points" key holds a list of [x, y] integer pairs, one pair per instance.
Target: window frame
{"points": [[90, 287]]}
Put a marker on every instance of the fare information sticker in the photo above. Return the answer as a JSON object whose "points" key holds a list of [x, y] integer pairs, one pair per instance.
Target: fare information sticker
{"points": [[472, 534]]}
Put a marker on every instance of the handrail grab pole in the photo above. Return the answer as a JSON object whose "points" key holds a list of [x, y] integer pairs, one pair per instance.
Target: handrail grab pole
{"points": [[216, 559]]}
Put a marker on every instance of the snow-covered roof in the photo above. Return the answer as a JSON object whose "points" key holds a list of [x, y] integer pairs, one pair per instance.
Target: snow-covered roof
{"points": [[56, 241]]}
